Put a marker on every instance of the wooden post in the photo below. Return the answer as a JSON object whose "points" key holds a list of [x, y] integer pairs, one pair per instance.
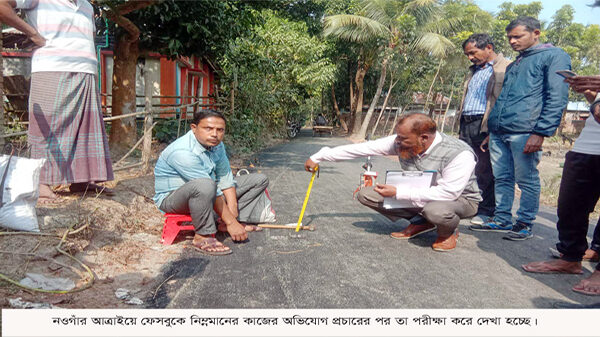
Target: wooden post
{"points": [[183, 111], [147, 145], [198, 93]]}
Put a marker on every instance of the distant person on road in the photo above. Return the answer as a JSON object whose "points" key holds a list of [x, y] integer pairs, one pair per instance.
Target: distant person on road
{"points": [[419, 147], [481, 90], [578, 196], [65, 119], [528, 109], [193, 176]]}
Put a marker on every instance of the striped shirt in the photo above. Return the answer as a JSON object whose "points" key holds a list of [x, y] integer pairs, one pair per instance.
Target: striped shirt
{"points": [[68, 27], [476, 98]]}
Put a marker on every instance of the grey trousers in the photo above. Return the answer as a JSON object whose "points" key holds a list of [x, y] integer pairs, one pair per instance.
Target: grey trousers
{"points": [[445, 215], [197, 197]]}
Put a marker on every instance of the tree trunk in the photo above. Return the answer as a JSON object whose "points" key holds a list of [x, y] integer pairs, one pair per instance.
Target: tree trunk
{"points": [[2, 140], [336, 109], [126, 52], [384, 106], [123, 131], [398, 112], [387, 120], [431, 88], [561, 126], [358, 98], [365, 124], [462, 96], [233, 86], [148, 120], [448, 105], [352, 111]]}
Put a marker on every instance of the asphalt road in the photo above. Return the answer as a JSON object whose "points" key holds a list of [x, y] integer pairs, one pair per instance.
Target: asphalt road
{"points": [[350, 261]]}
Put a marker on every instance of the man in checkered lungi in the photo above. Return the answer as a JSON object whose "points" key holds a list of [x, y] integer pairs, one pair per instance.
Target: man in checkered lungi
{"points": [[65, 119]]}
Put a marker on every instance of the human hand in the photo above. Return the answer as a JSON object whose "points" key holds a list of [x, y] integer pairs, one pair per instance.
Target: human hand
{"points": [[310, 165], [590, 95], [385, 190], [38, 41], [237, 231], [534, 144], [582, 83], [485, 144]]}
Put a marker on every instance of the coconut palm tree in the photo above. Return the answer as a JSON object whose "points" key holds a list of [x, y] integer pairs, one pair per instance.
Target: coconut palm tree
{"points": [[392, 28]]}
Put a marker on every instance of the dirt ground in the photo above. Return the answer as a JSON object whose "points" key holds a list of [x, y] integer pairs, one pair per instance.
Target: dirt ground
{"points": [[118, 239]]}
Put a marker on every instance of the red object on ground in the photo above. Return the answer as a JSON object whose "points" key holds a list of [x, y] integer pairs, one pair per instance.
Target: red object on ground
{"points": [[175, 223]]}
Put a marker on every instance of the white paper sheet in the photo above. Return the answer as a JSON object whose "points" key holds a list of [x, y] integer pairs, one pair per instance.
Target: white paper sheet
{"points": [[406, 180]]}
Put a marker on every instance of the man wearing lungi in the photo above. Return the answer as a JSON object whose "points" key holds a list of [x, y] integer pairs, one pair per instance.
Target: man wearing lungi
{"points": [[193, 176], [65, 118]]}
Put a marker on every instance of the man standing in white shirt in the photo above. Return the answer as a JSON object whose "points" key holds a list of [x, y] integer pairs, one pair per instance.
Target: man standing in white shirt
{"points": [[577, 198], [419, 147]]}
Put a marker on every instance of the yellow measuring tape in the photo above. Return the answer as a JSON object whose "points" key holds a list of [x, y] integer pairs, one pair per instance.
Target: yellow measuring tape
{"points": [[312, 179]]}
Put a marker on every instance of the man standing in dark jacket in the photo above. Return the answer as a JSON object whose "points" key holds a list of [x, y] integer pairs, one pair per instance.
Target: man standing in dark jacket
{"points": [[528, 109]]}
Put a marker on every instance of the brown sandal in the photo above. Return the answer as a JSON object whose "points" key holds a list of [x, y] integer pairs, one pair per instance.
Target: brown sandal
{"points": [[208, 245]]}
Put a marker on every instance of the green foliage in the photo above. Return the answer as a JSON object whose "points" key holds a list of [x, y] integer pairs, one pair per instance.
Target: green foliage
{"points": [[510, 11], [165, 131], [202, 27], [277, 73]]}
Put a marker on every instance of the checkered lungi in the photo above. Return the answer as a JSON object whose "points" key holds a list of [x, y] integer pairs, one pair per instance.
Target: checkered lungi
{"points": [[66, 128]]}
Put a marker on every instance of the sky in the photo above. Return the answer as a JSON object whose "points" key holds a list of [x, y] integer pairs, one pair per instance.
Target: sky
{"points": [[583, 14]]}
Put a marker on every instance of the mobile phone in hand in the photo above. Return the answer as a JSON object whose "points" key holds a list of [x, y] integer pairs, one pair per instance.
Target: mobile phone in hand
{"points": [[566, 73]]}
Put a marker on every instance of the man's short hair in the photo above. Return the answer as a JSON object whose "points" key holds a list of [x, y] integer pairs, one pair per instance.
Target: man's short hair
{"points": [[481, 41], [530, 23], [206, 113], [421, 123]]}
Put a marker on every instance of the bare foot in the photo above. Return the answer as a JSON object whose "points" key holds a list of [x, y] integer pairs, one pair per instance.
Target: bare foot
{"points": [[590, 285], [553, 267], [591, 255], [209, 245], [47, 196]]}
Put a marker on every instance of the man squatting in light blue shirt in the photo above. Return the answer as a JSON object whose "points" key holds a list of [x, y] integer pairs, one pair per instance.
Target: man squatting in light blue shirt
{"points": [[193, 176]]}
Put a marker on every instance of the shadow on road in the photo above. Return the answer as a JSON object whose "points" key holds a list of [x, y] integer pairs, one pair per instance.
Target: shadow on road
{"points": [[172, 276], [518, 253]]}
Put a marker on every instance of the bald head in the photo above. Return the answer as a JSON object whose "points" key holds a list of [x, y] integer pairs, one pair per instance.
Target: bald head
{"points": [[417, 123], [414, 134]]}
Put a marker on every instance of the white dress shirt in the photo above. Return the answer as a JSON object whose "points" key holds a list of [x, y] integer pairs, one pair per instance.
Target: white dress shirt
{"points": [[449, 184]]}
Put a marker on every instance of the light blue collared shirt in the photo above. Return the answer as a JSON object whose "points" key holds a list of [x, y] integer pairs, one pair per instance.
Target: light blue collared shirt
{"points": [[186, 159], [476, 98]]}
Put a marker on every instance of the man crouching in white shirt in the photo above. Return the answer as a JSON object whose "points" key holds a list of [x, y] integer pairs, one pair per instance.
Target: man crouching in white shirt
{"points": [[419, 147]]}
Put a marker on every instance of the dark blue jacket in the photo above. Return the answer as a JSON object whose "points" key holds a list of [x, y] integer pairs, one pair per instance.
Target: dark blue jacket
{"points": [[533, 96]]}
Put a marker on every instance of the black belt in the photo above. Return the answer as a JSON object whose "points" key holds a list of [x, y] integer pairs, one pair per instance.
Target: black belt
{"points": [[470, 118]]}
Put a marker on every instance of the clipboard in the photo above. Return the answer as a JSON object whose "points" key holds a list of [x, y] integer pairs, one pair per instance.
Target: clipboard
{"points": [[406, 180]]}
